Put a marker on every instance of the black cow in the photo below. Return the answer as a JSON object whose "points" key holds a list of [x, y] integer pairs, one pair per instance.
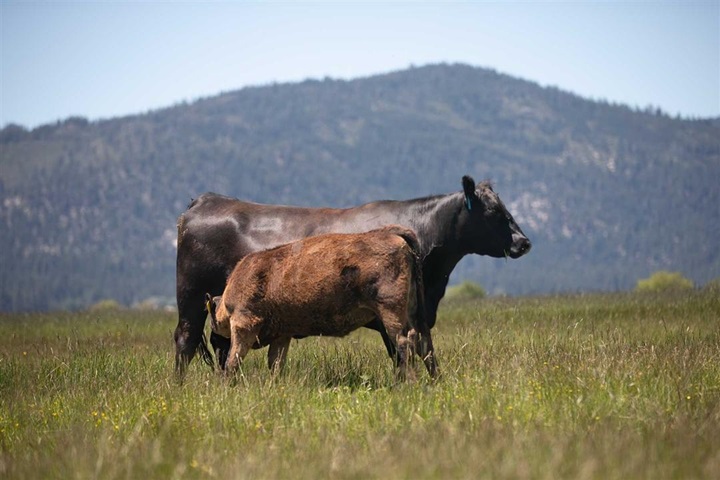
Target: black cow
{"points": [[217, 231]]}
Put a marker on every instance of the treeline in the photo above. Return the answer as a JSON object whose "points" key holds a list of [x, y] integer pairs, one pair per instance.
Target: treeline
{"points": [[607, 193]]}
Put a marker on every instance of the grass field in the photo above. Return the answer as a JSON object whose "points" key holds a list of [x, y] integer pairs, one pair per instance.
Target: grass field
{"points": [[597, 386]]}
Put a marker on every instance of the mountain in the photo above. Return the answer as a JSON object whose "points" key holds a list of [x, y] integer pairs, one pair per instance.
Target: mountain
{"points": [[608, 194]]}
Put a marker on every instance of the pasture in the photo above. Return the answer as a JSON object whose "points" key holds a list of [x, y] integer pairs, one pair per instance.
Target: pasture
{"points": [[586, 386]]}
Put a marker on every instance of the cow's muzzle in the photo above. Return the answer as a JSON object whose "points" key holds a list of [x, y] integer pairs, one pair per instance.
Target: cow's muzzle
{"points": [[520, 246]]}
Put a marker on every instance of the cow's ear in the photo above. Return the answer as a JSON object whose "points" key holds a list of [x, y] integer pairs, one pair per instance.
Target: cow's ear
{"points": [[468, 185], [469, 188]]}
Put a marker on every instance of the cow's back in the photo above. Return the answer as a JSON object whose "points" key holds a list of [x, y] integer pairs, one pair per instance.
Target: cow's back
{"points": [[216, 231]]}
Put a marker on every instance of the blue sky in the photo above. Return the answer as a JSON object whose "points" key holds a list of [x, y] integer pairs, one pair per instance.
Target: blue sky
{"points": [[102, 59]]}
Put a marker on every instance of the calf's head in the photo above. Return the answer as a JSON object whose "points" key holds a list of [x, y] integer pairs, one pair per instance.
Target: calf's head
{"points": [[219, 317], [486, 227]]}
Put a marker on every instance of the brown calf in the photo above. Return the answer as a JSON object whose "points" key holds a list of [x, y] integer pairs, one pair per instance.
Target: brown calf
{"points": [[326, 285]]}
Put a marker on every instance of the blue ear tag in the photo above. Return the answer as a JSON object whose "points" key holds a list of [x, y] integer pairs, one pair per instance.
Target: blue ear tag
{"points": [[467, 202]]}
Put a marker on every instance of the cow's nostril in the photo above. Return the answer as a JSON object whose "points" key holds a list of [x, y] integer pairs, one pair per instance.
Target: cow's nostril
{"points": [[524, 246]]}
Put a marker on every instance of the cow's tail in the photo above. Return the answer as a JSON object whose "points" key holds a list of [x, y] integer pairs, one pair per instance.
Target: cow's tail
{"points": [[205, 351]]}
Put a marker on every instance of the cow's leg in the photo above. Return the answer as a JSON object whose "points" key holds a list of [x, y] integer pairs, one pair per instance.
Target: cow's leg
{"points": [[426, 351], [378, 326], [221, 347], [421, 340], [424, 345], [277, 354], [189, 333]]}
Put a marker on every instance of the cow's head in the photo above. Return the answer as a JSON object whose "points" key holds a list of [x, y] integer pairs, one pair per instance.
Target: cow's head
{"points": [[486, 227], [219, 319]]}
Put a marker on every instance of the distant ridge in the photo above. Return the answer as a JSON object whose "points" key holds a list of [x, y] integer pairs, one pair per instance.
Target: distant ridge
{"points": [[607, 193]]}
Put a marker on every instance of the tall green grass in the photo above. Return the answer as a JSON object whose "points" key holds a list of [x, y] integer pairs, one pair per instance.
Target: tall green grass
{"points": [[598, 386]]}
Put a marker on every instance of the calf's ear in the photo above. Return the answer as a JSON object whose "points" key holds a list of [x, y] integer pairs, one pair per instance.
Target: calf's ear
{"points": [[209, 303]]}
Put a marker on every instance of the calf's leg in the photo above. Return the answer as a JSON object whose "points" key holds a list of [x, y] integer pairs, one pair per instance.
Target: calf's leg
{"points": [[241, 340], [396, 326], [277, 354]]}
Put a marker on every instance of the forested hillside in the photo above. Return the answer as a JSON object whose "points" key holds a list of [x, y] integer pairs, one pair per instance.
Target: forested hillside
{"points": [[607, 193]]}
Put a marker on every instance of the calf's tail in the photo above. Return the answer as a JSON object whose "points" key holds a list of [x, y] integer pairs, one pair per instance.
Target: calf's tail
{"points": [[423, 342], [412, 241], [419, 285]]}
